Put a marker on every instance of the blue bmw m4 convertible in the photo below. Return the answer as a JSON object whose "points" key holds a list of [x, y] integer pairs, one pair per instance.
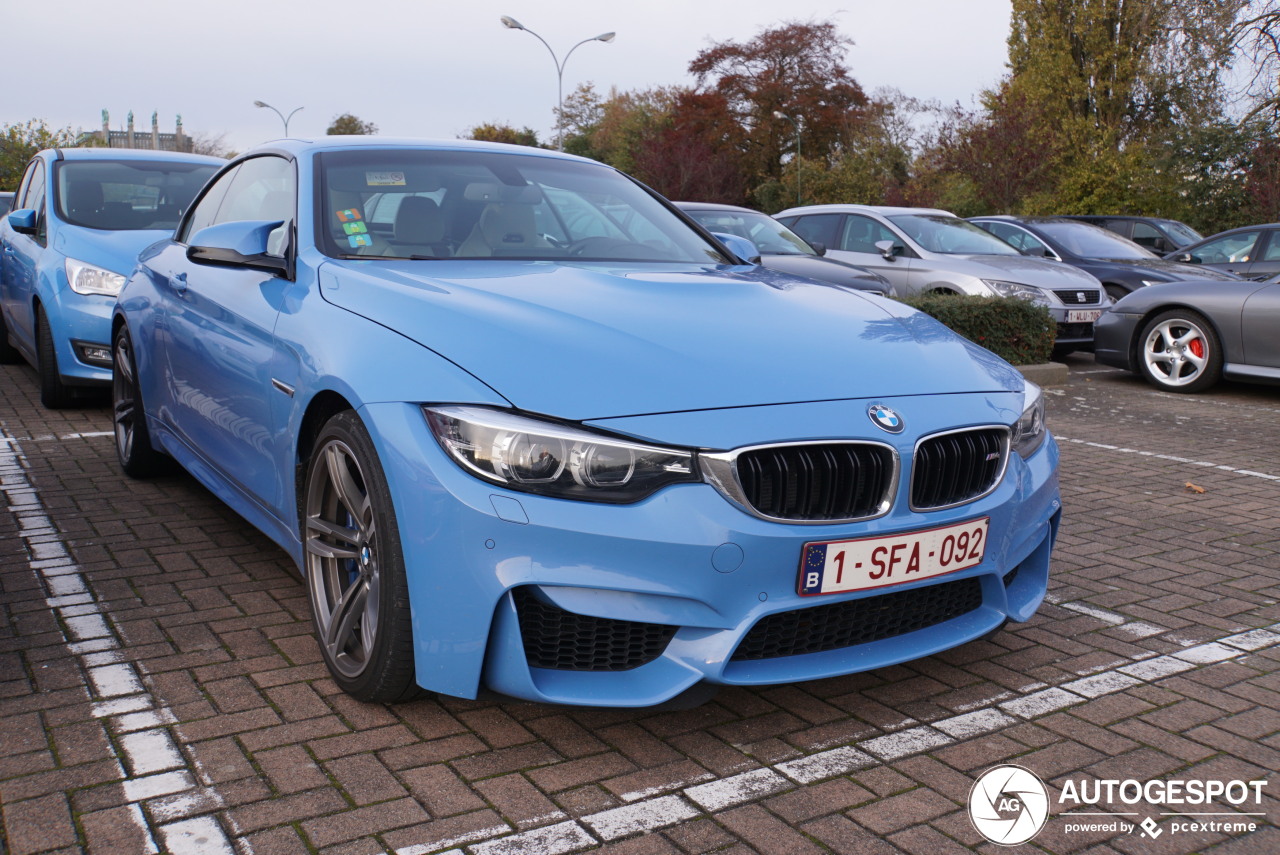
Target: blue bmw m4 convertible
{"points": [[526, 428]]}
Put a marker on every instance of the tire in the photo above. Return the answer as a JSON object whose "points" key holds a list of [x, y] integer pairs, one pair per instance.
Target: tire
{"points": [[54, 394], [354, 566], [1063, 350], [9, 355], [137, 457], [1179, 351], [1115, 292]]}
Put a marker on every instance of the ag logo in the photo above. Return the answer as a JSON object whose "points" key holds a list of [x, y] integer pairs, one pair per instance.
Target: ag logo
{"points": [[1008, 805], [885, 418]]}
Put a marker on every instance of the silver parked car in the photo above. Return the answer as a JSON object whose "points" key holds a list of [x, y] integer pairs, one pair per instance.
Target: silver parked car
{"points": [[922, 250]]}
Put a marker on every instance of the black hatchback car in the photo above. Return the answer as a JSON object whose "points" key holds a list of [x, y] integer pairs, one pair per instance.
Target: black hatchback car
{"points": [[1121, 265]]}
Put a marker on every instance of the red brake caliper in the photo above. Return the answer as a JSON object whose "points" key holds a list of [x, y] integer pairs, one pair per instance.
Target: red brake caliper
{"points": [[1197, 347]]}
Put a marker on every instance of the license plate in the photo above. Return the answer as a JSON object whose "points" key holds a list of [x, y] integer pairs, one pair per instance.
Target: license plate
{"points": [[1083, 316], [836, 566]]}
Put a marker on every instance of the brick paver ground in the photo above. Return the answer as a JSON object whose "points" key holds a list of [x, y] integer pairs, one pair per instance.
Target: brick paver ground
{"points": [[160, 689]]}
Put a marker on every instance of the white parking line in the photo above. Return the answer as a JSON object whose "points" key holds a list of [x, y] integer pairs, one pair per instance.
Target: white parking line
{"points": [[139, 724], [1202, 464]]}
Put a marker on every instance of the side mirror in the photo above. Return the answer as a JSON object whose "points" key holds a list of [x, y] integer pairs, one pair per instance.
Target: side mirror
{"points": [[1187, 258], [740, 247], [1036, 252], [23, 221], [888, 249], [820, 248], [239, 244]]}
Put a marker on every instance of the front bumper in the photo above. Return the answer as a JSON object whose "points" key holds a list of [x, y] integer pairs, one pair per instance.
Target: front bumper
{"points": [[80, 324], [683, 573]]}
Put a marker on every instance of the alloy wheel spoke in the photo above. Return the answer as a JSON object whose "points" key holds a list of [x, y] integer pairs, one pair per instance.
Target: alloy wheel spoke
{"points": [[346, 612], [349, 494]]}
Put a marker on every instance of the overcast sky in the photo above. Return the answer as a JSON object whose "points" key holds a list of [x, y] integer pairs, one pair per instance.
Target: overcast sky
{"points": [[431, 69]]}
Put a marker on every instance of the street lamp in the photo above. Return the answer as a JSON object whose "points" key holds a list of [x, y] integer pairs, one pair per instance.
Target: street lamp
{"points": [[778, 114], [512, 24], [282, 116]]}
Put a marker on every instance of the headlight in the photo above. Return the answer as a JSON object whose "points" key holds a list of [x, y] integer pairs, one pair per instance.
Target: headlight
{"points": [[555, 460], [1018, 290], [1029, 432], [87, 279]]}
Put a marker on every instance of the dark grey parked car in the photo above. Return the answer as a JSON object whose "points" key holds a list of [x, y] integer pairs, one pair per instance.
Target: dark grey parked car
{"points": [[1154, 233], [1120, 264], [782, 249], [1186, 336], [1251, 252]]}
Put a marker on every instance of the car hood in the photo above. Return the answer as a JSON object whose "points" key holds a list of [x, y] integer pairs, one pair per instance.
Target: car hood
{"points": [[592, 341], [1174, 270], [827, 270], [1020, 268], [116, 251]]}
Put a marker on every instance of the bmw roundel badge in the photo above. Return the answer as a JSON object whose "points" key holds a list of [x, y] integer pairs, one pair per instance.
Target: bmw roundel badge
{"points": [[885, 418]]}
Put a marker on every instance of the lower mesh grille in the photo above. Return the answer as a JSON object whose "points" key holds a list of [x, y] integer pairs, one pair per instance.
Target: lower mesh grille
{"points": [[831, 627], [564, 641]]}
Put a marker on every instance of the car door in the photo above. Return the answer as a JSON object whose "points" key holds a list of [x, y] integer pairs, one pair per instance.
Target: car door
{"points": [[219, 337], [856, 244], [1266, 260], [1260, 319], [21, 258]]}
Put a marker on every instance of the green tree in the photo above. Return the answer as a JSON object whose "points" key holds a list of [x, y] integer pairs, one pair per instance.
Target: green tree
{"points": [[348, 123], [492, 132], [19, 141]]}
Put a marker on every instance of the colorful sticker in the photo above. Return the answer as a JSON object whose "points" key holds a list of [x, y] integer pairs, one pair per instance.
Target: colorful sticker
{"points": [[384, 179], [354, 228], [359, 240], [349, 214]]}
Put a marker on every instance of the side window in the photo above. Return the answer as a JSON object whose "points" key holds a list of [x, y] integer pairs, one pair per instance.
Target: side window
{"points": [[1148, 236], [206, 210], [34, 198], [1272, 252], [1237, 247], [861, 234], [1016, 237], [1124, 228], [815, 228], [22, 187]]}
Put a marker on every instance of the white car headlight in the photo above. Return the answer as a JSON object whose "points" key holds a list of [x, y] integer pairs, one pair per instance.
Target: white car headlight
{"points": [[535, 456], [1029, 431], [85, 278], [1017, 290]]}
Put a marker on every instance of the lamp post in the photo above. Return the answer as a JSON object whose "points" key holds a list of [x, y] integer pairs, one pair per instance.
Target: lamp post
{"points": [[282, 116], [778, 114], [512, 24]]}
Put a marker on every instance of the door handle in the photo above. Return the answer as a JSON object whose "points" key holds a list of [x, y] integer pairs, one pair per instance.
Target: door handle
{"points": [[179, 282]]}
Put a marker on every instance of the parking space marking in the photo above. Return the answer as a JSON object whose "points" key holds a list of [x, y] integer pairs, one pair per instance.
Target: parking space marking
{"points": [[115, 689], [1202, 464]]}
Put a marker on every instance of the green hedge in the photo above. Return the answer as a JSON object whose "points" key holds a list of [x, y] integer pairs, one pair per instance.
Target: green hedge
{"points": [[1015, 330]]}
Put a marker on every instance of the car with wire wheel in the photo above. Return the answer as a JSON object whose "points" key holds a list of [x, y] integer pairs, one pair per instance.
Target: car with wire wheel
{"points": [[538, 435], [80, 218], [1119, 264], [930, 251], [1188, 336], [781, 249]]}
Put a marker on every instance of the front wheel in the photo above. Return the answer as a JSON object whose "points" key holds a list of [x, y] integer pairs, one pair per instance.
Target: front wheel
{"points": [[1178, 351], [355, 567], [54, 394], [134, 451]]}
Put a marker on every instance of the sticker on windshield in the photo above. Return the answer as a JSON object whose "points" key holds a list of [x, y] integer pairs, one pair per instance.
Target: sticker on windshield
{"points": [[384, 179], [356, 228], [349, 214], [359, 240]]}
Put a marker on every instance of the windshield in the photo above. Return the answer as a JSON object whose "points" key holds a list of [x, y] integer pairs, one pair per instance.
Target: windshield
{"points": [[431, 204], [1182, 232], [770, 236], [1086, 241], [127, 195], [950, 235]]}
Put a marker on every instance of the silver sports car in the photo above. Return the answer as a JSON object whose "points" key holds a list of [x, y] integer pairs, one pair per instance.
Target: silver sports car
{"points": [[1186, 336]]}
